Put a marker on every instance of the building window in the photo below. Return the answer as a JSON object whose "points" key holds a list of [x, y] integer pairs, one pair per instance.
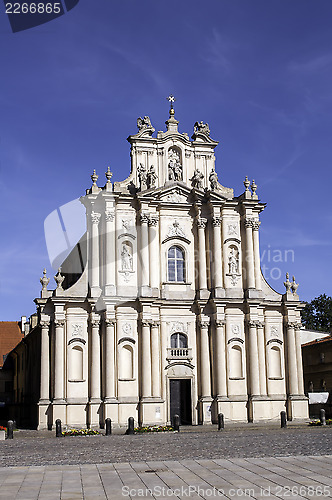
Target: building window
{"points": [[179, 340], [176, 264]]}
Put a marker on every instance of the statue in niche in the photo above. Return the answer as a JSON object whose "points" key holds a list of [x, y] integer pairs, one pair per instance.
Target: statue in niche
{"points": [[213, 178], [151, 177], [201, 127], [142, 176], [174, 166], [197, 179], [233, 262], [126, 258]]}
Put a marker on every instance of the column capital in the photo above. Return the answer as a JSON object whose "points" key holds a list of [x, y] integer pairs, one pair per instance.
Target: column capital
{"points": [[44, 323], [109, 215], [59, 322], [155, 324], [255, 224], [204, 324], [109, 322], [153, 220], [248, 222], [95, 217], [144, 218], [216, 221], [260, 324], [293, 324], [252, 323], [219, 323], [201, 222], [94, 321], [146, 322]]}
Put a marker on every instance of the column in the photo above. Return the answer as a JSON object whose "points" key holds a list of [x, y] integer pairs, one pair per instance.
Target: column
{"points": [[205, 360], [249, 253], [144, 251], [154, 251], [109, 252], [110, 361], [299, 358], [221, 380], [201, 224], [155, 359], [94, 245], [261, 358], [45, 362], [255, 227], [253, 359], [217, 257], [59, 361], [146, 360], [291, 358], [95, 358]]}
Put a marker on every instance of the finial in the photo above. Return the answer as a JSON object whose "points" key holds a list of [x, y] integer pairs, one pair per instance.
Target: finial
{"points": [[44, 280], [171, 99], [287, 283], [253, 189], [108, 175], [294, 286], [246, 183], [94, 178], [58, 278]]}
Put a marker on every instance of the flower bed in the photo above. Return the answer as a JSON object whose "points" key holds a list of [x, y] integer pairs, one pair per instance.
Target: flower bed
{"points": [[317, 423], [80, 432], [153, 428], [2, 428]]}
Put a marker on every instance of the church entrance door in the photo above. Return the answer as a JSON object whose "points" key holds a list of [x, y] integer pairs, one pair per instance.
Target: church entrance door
{"points": [[180, 400]]}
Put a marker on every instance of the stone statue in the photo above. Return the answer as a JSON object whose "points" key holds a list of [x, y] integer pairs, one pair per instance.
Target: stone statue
{"points": [[213, 178], [287, 283], [201, 127], [197, 179], [294, 286], [144, 123], [142, 175], [174, 166], [126, 258], [151, 177], [233, 262]]}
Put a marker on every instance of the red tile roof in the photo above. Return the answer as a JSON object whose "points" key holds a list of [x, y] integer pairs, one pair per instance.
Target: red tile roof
{"points": [[318, 341], [10, 336]]}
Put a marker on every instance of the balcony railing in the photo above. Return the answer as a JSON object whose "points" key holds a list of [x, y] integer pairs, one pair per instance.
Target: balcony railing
{"points": [[180, 353]]}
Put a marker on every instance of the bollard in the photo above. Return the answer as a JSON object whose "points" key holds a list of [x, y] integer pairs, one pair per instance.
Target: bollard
{"points": [[221, 422], [10, 429], [322, 417], [283, 420], [58, 429], [108, 425], [130, 429], [176, 423]]}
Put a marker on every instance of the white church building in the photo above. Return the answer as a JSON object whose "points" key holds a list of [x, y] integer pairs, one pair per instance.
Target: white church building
{"points": [[168, 312]]}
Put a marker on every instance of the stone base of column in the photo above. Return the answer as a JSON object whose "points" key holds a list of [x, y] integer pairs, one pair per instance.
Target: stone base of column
{"points": [[220, 404], [95, 291], [219, 293], [44, 415], [205, 411], [252, 293], [235, 409], [145, 291], [59, 410], [203, 294], [262, 408], [155, 292], [151, 411], [110, 290], [297, 407], [95, 413], [128, 407], [111, 409]]}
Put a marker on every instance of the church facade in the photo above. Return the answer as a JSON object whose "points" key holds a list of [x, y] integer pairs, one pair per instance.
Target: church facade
{"points": [[169, 312]]}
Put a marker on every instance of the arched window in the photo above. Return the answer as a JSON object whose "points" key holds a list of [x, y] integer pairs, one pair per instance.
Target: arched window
{"points": [[179, 340], [176, 264]]}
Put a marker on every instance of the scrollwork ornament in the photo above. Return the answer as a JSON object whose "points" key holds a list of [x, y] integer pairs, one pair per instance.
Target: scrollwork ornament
{"points": [[59, 323], [204, 324], [44, 323], [216, 221], [201, 222], [95, 217], [109, 216]]}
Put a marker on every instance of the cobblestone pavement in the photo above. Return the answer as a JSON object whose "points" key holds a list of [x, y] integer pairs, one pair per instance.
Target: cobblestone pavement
{"points": [[43, 448], [295, 477]]}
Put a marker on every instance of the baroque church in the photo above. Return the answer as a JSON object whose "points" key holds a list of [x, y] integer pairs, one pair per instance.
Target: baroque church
{"points": [[161, 308]]}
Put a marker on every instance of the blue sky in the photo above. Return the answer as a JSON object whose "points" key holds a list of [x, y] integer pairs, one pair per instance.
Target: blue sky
{"points": [[258, 71]]}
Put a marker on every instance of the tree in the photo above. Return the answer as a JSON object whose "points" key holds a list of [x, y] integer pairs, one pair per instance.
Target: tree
{"points": [[317, 314]]}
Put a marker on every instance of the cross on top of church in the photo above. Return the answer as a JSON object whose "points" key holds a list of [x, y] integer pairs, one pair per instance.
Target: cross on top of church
{"points": [[171, 99]]}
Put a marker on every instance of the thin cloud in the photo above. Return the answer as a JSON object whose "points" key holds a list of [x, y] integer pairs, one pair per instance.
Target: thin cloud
{"points": [[312, 64]]}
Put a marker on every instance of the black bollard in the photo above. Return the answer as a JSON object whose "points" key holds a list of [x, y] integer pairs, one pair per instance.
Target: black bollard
{"points": [[108, 425], [283, 420], [221, 422], [176, 423], [130, 429], [10, 429], [322, 417], [58, 429]]}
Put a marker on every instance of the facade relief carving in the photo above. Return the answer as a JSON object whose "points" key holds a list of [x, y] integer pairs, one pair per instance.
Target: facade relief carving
{"points": [[175, 230], [178, 327]]}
